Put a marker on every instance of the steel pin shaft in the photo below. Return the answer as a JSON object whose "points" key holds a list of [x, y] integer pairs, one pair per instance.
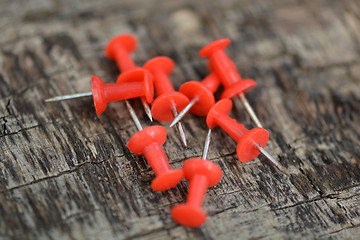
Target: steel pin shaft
{"points": [[250, 110], [206, 145], [179, 126], [68, 97], [146, 108], [271, 159], [184, 111], [133, 115]]}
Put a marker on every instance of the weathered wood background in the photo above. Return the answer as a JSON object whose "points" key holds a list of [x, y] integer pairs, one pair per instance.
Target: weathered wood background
{"points": [[66, 173]]}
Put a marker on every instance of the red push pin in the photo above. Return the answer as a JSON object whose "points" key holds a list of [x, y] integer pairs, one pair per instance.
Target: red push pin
{"points": [[165, 107], [250, 142], [104, 93], [201, 95], [148, 142], [226, 70], [119, 49], [202, 174]]}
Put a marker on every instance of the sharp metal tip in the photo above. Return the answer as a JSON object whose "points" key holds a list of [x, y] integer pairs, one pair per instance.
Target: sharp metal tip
{"points": [[272, 159], [182, 135], [133, 115], [147, 108], [184, 111], [173, 123], [51, 99], [206, 145], [179, 126]]}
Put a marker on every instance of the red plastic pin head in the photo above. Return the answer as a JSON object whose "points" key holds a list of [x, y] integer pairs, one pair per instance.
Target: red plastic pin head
{"points": [[161, 67], [222, 107], [202, 174], [119, 49], [148, 142], [110, 92], [246, 149], [209, 49], [125, 42], [198, 166], [206, 100], [161, 108], [164, 64], [142, 139], [139, 75], [241, 87], [200, 95], [97, 86], [223, 66]]}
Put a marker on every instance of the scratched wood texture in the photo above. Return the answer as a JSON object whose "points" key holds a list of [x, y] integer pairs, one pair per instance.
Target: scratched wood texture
{"points": [[66, 173]]}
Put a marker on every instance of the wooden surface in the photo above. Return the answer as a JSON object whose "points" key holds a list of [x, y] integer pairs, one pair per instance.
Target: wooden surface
{"points": [[66, 173]]}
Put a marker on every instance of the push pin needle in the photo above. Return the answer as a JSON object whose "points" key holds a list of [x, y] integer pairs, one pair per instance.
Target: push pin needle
{"points": [[271, 159], [146, 108], [70, 96], [133, 115], [249, 110], [179, 125], [206, 145]]}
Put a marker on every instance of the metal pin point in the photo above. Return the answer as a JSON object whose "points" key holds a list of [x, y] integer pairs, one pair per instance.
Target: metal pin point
{"points": [[271, 159], [206, 145], [146, 108], [250, 110], [184, 111], [133, 116], [68, 97], [179, 126]]}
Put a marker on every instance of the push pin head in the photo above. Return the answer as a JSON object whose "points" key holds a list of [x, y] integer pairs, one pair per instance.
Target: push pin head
{"points": [[162, 107], [204, 97], [241, 87], [98, 94], [220, 44], [137, 75], [148, 142], [247, 148], [121, 46], [162, 64], [221, 107], [102, 97]]}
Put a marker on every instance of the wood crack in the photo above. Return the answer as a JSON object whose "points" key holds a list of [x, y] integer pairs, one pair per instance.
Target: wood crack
{"points": [[76, 168]]}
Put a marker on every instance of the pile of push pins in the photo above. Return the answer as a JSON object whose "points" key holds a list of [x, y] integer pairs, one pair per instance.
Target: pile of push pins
{"points": [[171, 105]]}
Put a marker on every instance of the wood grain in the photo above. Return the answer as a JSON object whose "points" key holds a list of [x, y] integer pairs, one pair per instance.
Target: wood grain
{"points": [[67, 174]]}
